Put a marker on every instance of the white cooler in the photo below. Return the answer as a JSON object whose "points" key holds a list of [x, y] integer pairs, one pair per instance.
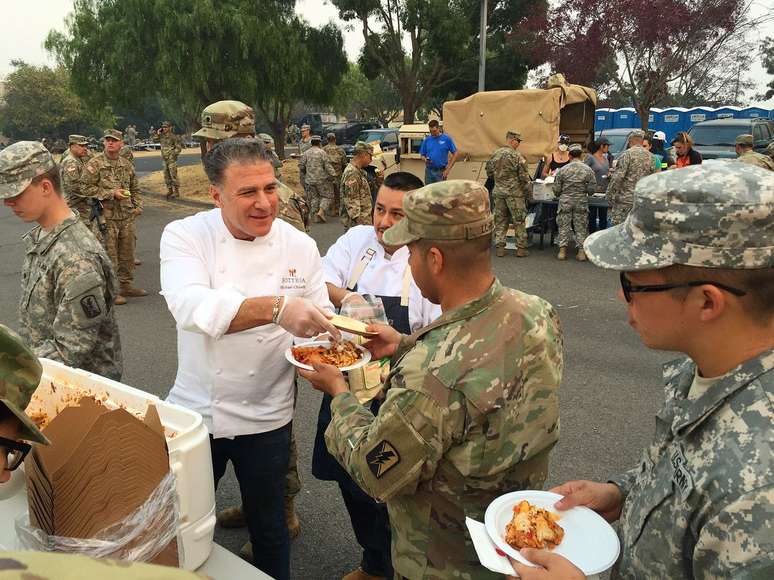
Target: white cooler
{"points": [[187, 440]]}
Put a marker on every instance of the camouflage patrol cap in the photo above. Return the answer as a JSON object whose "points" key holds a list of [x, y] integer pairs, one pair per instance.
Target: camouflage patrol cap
{"points": [[575, 148], [331, 136], [361, 147], [637, 134], [20, 373], [448, 210], [770, 150], [512, 134], [315, 139], [166, 124], [745, 140], [225, 119], [266, 138], [113, 134], [77, 140], [714, 215], [20, 163], [305, 127]]}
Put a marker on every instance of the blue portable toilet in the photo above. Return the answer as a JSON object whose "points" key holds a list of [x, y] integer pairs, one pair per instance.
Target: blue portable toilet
{"points": [[656, 119], [674, 120], [753, 113], [624, 118], [698, 115], [603, 119], [727, 112]]}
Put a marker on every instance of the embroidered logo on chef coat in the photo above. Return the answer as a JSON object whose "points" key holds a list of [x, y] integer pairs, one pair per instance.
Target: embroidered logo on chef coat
{"points": [[382, 458], [292, 281], [681, 477]]}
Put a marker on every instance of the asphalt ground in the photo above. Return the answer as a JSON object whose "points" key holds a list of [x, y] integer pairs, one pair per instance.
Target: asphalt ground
{"points": [[153, 162], [609, 394]]}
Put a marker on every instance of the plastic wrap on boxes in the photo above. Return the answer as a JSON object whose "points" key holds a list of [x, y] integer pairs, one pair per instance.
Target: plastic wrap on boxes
{"points": [[140, 537]]}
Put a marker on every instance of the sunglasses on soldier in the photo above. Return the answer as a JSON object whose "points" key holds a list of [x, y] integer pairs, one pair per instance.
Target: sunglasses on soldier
{"points": [[629, 288], [14, 451]]}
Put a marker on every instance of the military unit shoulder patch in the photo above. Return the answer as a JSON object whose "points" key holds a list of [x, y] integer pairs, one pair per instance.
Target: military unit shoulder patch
{"points": [[382, 458]]}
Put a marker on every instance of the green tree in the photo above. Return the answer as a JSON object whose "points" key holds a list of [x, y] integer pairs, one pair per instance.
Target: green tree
{"points": [[363, 98], [40, 103], [767, 50]]}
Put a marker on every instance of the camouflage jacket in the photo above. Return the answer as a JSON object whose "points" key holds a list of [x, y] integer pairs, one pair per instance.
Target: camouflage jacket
{"points": [[292, 208], [315, 167], [71, 169], [66, 307], [757, 159], [356, 202], [102, 176], [338, 158], [304, 144], [699, 504], [509, 170], [633, 164], [574, 182], [276, 163], [127, 153], [171, 144], [471, 412]]}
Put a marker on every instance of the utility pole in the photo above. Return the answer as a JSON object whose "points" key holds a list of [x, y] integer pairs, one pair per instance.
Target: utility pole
{"points": [[482, 49]]}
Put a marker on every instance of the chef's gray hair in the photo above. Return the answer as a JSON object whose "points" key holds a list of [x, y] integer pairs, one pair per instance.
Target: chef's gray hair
{"points": [[237, 150]]}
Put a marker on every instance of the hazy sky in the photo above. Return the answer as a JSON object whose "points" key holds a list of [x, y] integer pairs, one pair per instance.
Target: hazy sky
{"points": [[27, 22]]}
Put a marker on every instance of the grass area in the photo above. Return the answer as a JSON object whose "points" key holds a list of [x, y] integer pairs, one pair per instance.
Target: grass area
{"points": [[194, 184]]}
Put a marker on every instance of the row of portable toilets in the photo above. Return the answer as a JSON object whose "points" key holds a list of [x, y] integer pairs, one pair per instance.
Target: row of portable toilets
{"points": [[674, 119]]}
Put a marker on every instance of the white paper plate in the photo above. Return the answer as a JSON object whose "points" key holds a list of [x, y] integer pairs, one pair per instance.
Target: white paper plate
{"points": [[365, 356], [589, 541]]}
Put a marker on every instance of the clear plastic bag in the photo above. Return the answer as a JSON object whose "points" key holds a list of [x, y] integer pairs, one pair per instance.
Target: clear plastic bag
{"points": [[140, 537], [366, 382]]}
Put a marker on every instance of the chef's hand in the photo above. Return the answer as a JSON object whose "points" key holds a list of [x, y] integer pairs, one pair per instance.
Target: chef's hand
{"points": [[604, 498], [551, 567], [302, 318], [325, 378], [386, 343]]}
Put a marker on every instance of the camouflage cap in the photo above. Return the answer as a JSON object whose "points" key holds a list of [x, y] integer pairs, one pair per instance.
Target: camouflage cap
{"points": [[512, 134], [225, 119], [331, 136], [20, 163], [316, 139], [361, 147], [77, 140], [714, 215], [113, 134], [166, 124], [305, 127], [637, 134], [745, 139], [448, 210], [575, 148], [770, 150], [20, 373], [266, 138]]}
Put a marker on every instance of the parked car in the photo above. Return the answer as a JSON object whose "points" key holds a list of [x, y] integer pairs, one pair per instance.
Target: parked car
{"points": [[387, 139], [617, 138], [716, 139], [348, 133]]}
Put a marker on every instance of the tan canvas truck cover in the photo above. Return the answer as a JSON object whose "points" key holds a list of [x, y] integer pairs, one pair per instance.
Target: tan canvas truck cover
{"points": [[479, 122]]}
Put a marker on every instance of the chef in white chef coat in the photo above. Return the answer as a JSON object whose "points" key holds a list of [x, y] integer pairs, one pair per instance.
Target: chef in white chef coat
{"points": [[356, 265], [240, 284]]}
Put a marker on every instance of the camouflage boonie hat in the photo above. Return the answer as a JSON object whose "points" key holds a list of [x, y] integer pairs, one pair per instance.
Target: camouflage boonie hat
{"points": [[575, 148], [445, 211], [77, 140], [20, 373], [20, 163], [225, 119], [745, 139], [361, 147], [511, 134], [113, 134], [714, 215]]}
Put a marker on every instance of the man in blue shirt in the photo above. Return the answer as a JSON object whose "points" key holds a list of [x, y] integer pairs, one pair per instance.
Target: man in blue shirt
{"points": [[436, 149]]}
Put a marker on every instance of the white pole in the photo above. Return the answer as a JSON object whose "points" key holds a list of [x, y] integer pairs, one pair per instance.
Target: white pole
{"points": [[482, 49]]}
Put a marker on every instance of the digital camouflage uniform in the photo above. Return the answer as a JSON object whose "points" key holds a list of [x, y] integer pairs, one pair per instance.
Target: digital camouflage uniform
{"points": [[757, 159], [356, 202], [339, 160], [68, 285], [573, 184], [101, 177], [317, 173], [471, 409], [276, 162], [71, 169], [633, 164], [304, 145], [770, 150], [509, 170], [171, 146], [699, 505]]}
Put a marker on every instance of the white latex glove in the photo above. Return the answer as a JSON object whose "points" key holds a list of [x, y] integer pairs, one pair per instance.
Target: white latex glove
{"points": [[353, 298], [300, 317]]}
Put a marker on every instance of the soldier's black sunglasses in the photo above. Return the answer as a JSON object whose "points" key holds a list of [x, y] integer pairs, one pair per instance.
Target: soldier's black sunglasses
{"points": [[629, 288], [14, 451]]}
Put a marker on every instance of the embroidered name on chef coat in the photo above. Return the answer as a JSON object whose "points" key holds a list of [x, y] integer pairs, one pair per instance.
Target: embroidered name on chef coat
{"points": [[291, 281]]}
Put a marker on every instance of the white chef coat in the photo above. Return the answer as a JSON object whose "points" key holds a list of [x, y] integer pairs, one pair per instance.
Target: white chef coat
{"points": [[240, 383], [382, 277]]}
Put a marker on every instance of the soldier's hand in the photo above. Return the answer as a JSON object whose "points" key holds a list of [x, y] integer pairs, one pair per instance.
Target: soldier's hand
{"points": [[325, 378], [550, 567], [604, 498], [136, 211], [119, 194], [385, 343], [301, 317]]}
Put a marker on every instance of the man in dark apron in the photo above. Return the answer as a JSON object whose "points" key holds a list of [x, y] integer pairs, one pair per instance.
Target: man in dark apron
{"points": [[356, 265]]}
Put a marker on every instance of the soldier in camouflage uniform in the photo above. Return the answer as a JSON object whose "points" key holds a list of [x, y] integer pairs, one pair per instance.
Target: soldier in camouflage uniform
{"points": [[471, 408], [573, 184], [633, 164], [770, 150], [68, 284], [71, 167], [745, 153], [227, 119], [171, 146], [356, 202], [317, 173], [268, 141], [110, 179], [509, 170], [697, 268], [339, 160], [306, 139]]}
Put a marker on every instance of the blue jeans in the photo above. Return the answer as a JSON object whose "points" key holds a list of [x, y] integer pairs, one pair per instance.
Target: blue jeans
{"points": [[433, 174], [261, 465]]}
